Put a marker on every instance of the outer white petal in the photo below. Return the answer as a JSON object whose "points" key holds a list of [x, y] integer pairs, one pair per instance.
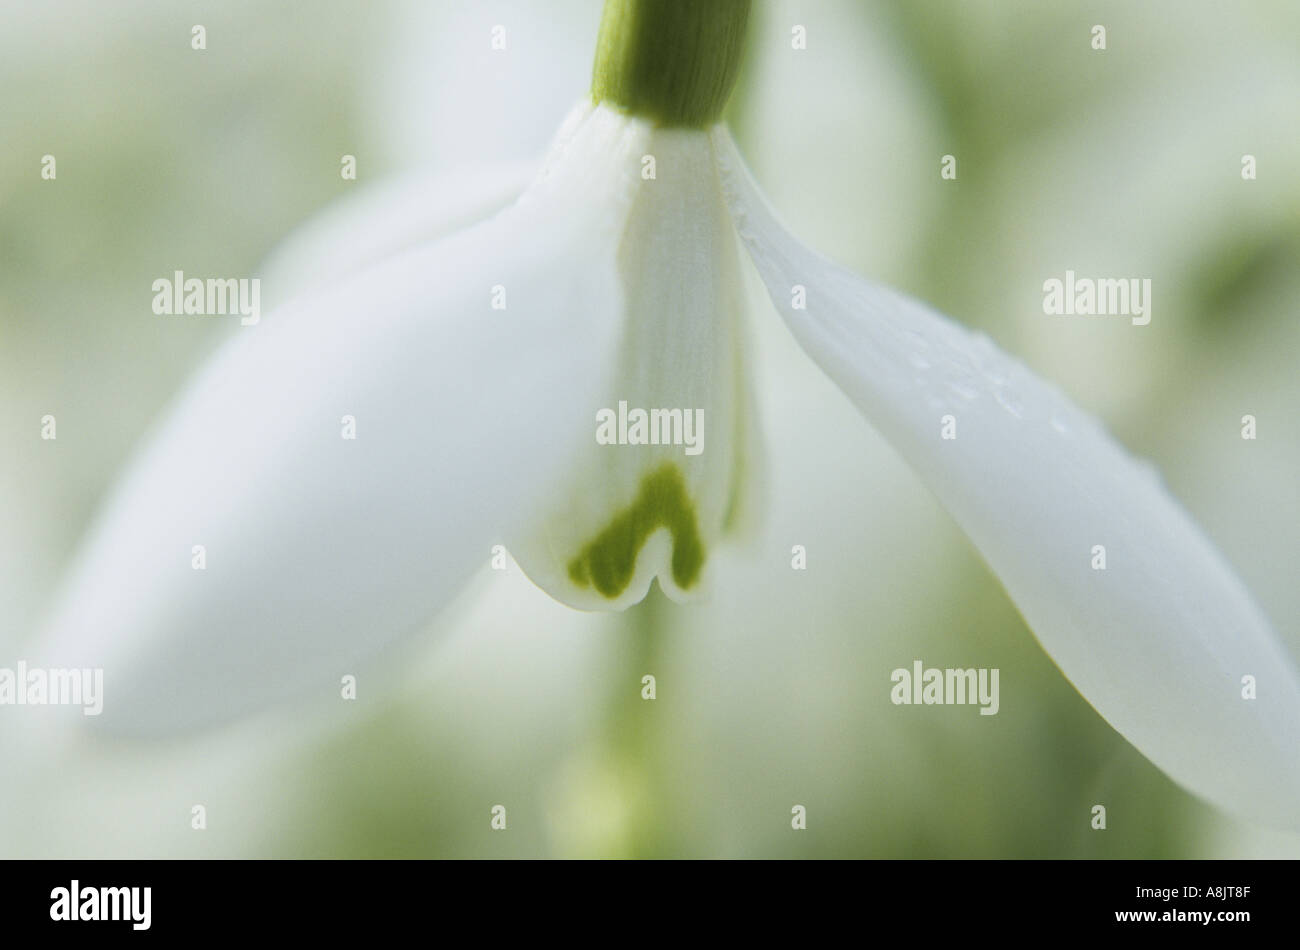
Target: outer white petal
{"points": [[1160, 640], [319, 550], [384, 219], [381, 220]]}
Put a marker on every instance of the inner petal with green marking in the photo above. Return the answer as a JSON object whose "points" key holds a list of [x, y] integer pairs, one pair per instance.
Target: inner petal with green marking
{"points": [[659, 474]]}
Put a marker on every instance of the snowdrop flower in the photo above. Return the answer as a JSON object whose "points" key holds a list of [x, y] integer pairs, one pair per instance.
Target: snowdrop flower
{"points": [[256, 548]]}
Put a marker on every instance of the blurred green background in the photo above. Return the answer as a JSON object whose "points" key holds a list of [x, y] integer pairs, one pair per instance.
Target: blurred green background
{"points": [[775, 692]]}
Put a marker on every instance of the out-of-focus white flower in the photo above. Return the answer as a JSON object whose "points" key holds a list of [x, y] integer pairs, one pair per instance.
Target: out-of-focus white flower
{"points": [[479, 369]]}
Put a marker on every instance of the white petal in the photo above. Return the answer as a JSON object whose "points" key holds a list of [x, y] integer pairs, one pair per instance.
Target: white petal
{"points": [[319, 550], [380, 220], [1160, 640], [655, 505]]}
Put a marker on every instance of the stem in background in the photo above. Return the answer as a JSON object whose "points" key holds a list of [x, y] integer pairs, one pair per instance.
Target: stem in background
{"points": [[633, 731]]}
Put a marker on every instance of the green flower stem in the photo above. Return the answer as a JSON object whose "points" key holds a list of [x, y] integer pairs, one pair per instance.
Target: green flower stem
{"points": [[672, 61]]}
